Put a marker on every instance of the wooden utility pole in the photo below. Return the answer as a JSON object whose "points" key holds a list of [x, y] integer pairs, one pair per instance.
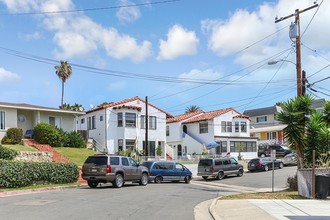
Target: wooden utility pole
{"points": [[298, 52], [146, 126]]}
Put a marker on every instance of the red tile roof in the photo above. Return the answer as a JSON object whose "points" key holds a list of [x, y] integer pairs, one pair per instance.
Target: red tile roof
{"points": [[209, 115], [112, 104], [128, 107], [183, 117]]}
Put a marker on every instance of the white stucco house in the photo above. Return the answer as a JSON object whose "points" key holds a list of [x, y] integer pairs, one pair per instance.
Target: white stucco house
{"points": [[27, 116], [121, 125], [227, 129]]}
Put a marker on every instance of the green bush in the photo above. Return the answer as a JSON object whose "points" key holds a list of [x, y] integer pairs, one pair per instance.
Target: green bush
{"points": [[15, 174], [7, 154], [292, 183], [73, 139], [48, 134], [13, 136]]}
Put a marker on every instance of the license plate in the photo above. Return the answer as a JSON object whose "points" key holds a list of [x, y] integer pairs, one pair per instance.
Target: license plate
{"points": [[207, 170], [252, 165], [94, 170]]}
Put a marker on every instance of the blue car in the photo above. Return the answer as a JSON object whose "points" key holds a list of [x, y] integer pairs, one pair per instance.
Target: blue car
{"points": [[160, 171]]}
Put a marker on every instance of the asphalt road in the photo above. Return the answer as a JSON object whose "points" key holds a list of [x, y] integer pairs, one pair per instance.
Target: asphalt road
{"points": [[154, 201]]}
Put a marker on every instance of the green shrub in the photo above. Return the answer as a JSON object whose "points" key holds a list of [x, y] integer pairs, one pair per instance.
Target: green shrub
{"points": [[48, 134], [13, 136], [7, 154], [74, 139], [292, 183], [17, 173]]}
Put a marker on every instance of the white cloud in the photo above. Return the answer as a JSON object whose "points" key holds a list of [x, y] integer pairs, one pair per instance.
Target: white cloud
{"points": [[34, 36], [128, 14], [117, 86], [179, 42], [6, 76]]}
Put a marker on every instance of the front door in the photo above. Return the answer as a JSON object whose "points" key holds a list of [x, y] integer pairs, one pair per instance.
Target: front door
{"points": [[179, 150]]}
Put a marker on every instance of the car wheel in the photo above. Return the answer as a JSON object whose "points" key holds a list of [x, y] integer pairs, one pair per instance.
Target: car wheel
{"points": [[92, 184], [119, 181], [158, 179], [204, 177], [240, 173], [220, 175], [144, 179], [281, 165], [266, 168], [187, 179]]}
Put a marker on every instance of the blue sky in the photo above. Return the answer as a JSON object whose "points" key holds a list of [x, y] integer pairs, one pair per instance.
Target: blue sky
{"points": [[212, 54]]}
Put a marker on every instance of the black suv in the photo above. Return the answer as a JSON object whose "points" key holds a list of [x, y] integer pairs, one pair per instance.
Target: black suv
{"points": [[265, 151], [103, 168], [219, 167]]}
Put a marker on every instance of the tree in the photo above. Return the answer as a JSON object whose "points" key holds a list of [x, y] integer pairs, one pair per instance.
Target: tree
{"points": [[192, 108], [295, 115], [76, 107], [63, 71]]}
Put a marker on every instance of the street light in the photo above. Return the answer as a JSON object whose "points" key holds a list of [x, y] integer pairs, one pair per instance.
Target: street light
{"points": [[272, 62]]}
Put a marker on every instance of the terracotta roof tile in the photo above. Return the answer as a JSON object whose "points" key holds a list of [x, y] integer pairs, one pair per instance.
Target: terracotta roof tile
{"points": [[183, 117], [209, 115]]}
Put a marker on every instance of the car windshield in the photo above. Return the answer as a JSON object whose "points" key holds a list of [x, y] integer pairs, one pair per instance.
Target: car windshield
{"points": [[97, 160], [285, 148]]}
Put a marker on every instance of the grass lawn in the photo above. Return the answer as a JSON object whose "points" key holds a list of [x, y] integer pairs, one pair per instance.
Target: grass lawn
{"points": [[39, 186], [75, 155], [18, 147], [267, 195]]}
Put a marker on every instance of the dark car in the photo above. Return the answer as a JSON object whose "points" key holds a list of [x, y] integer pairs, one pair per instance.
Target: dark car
{"points": [[263, 164], [219, 167], [103, 168], [265, 150], [160, 171]]}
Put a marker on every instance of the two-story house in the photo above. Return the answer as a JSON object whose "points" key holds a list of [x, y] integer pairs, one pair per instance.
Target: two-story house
{"points": [[118, 126], [27, 116], [229, 129]]}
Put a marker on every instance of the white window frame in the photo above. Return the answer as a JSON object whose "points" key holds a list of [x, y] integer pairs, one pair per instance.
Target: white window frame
{"points": [[152, 122], [2, 120], [203, 127], [129, 120]]}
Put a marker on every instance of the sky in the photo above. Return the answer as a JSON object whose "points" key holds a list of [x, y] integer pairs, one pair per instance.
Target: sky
{"points": [[213, 54]]}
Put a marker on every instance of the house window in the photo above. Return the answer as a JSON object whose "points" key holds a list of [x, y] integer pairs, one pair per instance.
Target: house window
{"points": [[130, 144], [152, 122], [101, 117], [130, 119], [243, 126], [243, 146], [223, 126], [223, 146], [236, 126], [271, 135], [120, 145], [261, 119], [120, 119], [143, 121], [91, 123], [55, 121], [2, 120], [167, 131], [82, 121], [203, 127]]}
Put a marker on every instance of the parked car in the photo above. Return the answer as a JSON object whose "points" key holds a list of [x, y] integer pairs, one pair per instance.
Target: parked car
{"points": [[265, 150], [290, 159], [263, 164], [103, 168], [160, 171], [219, 167]]}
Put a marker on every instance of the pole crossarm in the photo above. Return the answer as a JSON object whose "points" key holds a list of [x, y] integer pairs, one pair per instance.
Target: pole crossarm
{"points": [[299, 12]]}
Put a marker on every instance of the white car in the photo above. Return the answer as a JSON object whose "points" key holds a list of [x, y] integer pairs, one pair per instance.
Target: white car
{"points": [[290, 159]]}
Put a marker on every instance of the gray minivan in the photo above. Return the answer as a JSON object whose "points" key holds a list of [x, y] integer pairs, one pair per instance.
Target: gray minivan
{"points": [[219, 167]]}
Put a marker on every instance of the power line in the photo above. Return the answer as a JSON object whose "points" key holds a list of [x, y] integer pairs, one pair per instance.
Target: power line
{"points": [[92, 9]]}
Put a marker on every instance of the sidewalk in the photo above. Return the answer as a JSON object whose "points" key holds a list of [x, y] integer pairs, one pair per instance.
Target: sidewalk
{"points": [[264, 209]]}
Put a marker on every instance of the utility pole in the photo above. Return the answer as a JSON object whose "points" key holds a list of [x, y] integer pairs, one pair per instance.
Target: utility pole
{"points": [[298, 52]]}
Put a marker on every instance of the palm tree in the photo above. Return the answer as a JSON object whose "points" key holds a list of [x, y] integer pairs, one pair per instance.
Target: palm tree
{"points": [[77, 107], [63, 71], [295, 115], [192, 108]]}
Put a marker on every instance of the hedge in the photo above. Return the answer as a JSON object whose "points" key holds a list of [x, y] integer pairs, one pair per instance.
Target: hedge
{"points": [[7, 154], [13, 136], [15, 174]]}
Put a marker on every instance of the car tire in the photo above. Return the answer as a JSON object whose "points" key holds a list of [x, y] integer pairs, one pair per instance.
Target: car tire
{"points": [[158, 179], [281, 165], [240, 173], [92, 184], [266, 168], [220, 176], [119, 181], [144, 179], [187, 179], [204, 177]]}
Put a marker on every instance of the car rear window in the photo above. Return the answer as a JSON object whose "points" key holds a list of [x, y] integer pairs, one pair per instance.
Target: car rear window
{"points": [[254, 160], [205, 162], [97, 160], [147, 164]]}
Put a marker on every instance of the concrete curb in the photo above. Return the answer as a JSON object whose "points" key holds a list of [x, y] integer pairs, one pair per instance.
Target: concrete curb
{"points": [[212, 210]]}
